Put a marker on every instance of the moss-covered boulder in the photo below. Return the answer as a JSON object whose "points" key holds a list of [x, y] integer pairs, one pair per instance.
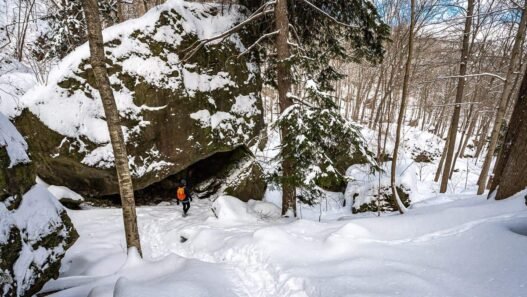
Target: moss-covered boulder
{"points": [[242, 178], [16, 171], [35, 230], [385, 203], [371, 191], [176, 109], [33, 239]]}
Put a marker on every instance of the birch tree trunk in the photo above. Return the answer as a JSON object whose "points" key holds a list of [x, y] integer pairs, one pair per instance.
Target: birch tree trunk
{"points": [[97, 60]]}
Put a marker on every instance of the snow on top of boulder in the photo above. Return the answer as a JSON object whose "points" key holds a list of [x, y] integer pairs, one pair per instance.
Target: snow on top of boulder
{"points": [[195, 21], [61, 192], [5, 223], [145, 51], [230, 209], [14, 143], [245, 106], [365, 183], [38, 214], [205, 82], [82, 116]]}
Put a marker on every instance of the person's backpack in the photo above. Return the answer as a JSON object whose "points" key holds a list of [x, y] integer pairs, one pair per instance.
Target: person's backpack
{"points": [[181, 195]]}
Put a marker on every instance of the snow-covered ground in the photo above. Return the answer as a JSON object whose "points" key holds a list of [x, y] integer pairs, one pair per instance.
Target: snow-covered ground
{"points": [[448, 245], [455, 244]]}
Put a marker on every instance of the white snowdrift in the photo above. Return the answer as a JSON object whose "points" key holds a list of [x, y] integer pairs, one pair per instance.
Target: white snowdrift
{"points": [[231, 209], [461, 245], [61, 192]]}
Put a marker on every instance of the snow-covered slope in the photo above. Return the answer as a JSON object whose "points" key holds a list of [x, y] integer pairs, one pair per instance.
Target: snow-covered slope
{"points": [[448, 246]]}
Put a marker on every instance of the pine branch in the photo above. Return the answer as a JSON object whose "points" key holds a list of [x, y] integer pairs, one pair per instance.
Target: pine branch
{"points": [[257, 42], [329, 16]]}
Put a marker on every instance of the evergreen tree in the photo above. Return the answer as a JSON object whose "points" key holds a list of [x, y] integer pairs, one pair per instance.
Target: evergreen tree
{"points": [[318, 139], [298, 40], [314, 134]]}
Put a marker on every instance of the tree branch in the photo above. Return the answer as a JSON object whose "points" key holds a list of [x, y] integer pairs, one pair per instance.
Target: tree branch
{"points": [[329, 16], [474, 75], [258, 41], [196, 46]]}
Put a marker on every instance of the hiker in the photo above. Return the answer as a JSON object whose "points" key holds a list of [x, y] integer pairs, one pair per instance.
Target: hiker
{"points": [[183, 196]]}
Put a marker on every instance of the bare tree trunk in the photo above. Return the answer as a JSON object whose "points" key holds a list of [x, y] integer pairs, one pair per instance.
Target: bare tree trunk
{"points": [[441, 161], [387, 92], [462, 140], [459, 97], [500, 114], [511, 173], [402, 110], [284, 84], [98, 64], [467, 138], [130, 9], [374, 103], [482, 138], [389, 111], [439, 121], [364, 105], [358, 99]]}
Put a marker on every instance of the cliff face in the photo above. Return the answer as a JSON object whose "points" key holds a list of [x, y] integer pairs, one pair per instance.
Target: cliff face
{"points": [[175, 112]]}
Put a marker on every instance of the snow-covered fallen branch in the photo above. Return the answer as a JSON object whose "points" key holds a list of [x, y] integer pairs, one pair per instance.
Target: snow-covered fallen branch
{"points": [[196, 46], [474, 75]]}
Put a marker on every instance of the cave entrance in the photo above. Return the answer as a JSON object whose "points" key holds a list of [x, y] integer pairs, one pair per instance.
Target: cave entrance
{"points": [[203, 178]]}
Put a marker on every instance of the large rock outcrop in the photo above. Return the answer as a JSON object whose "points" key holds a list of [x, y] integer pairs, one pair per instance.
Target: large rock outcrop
{"points": [[35, 230], [176, 111]]}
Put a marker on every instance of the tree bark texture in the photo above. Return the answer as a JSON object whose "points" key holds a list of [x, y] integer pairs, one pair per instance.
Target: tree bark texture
{"points": [[283, 77], [402, 110], [511, 169], [502, 106], [459, 98], [97, 59]]}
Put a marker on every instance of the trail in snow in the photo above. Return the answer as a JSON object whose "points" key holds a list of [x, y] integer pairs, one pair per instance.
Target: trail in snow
{"points": [[460, 247]]}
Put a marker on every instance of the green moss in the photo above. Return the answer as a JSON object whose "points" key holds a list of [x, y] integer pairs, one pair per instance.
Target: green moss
{"points": [[58, 159], [9, 253], [15, 180]]}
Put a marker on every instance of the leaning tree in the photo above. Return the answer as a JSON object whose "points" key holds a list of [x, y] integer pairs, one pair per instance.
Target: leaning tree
{"points": [[511, 167]]}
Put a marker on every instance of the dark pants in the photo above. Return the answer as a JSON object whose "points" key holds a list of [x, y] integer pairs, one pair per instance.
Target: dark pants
{"points": [[186, 206]]}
